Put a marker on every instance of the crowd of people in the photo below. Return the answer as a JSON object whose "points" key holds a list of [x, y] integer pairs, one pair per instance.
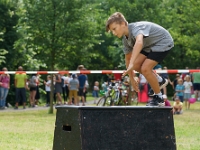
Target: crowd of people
{"points": [[71, 88], [67, 89], [186, 86]]}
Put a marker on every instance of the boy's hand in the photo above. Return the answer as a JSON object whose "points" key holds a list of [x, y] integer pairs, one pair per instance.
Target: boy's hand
{"points": [[133, 79], [134, 83], [128, 71]]}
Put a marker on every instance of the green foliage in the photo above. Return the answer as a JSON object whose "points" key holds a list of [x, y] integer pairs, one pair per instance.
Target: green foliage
{"points": [[7, 32]]}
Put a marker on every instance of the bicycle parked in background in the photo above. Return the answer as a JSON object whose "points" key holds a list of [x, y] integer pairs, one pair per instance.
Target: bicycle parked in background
{"points": [[118, 95], [107, 96]]}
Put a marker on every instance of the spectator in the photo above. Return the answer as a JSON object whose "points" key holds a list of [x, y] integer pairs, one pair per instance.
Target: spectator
{"points": [[177, 106], [20, 85], [167, 103], [187, 92], [37, 95], [73, 90], [96, 91], [117, 76], [58, 88], [185, 73], [180, 89], [4, 88], [48, 90], [67, 79], [174, 83], [33, 89], [82, 82], [105, 86], [86, 87], [63, 78], [166, 76], [143, 93], [196, 83]]}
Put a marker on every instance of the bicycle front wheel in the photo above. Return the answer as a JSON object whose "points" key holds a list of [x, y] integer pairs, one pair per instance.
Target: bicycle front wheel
{"points": [[101, 101], [108, 101]]}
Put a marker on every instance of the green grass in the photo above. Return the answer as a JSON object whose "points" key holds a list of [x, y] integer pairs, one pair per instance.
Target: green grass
{"points": [[34, 130], [26, 130]]}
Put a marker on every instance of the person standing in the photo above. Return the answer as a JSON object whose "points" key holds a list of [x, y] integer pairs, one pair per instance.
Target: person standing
{"points": [[180, 90], [196, 83], [33, 89], [37, 95], [96, 91], [188, 90], [4, 88], [20, 88], [48, 90], [82, 80], [58, 88], [143, 93], [73, 90]]}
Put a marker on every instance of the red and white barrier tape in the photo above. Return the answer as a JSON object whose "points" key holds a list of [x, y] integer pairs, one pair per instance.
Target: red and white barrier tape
{"points": [[95, 71]]}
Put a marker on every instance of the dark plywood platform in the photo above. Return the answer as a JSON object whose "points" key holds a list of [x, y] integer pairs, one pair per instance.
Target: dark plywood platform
{"points": [[114, 128]]}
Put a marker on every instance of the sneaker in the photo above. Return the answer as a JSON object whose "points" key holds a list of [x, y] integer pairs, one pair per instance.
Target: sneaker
{"points": [[161, 84], [156, 101]]}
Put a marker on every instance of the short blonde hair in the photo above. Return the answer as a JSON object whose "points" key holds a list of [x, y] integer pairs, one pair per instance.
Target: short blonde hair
{"points": [[117, 17]]}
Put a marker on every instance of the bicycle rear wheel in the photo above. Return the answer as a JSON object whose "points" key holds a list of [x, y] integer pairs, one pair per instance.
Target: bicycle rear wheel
{"points": [[101, 101]]}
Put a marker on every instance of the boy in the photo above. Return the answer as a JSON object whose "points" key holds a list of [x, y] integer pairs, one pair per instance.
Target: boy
{"points": [[145, 45]]}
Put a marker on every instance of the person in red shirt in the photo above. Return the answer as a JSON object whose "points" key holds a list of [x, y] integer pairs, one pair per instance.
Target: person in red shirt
{"points": [[117, 76]]}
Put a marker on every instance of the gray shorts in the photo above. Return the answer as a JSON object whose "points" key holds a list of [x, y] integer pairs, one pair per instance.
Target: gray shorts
{"points": [[187, 95]]}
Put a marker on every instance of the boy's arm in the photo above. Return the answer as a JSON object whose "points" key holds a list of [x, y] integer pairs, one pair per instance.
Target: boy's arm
{"points": [[131, 74], [130, 59], [135, 52]]}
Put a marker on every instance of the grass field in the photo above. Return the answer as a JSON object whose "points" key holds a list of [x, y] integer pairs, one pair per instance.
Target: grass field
{"points": [[34, 129]]}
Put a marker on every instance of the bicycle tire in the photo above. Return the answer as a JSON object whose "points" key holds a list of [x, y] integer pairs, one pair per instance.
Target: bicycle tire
{"points": [[101, 101], [108, 101]]}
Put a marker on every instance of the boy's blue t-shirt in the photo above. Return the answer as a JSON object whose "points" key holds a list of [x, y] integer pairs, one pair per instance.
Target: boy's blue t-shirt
{"points": [[82, 79], [179, 87]]}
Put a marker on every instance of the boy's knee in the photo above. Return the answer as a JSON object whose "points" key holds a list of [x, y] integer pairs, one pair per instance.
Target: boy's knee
{"points": [[145, 70]]}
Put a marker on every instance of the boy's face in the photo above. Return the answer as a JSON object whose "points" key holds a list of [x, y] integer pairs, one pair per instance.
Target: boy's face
{"points": [[117, 29]]}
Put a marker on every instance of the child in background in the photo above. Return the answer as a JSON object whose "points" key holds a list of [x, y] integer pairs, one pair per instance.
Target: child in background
{"points": [[105, 86], [180, 89], [167, 103], [177, 106], [73, 90], [187, 92], [96, 91]]}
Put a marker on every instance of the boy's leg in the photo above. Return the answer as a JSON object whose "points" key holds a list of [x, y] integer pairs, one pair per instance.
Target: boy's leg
{"points": [[151, 77], [137, 67], [140, 60], [146, 70]]}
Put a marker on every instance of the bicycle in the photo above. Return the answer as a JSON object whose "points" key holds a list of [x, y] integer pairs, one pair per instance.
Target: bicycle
{"points": [[127, 96], [107, 96]]}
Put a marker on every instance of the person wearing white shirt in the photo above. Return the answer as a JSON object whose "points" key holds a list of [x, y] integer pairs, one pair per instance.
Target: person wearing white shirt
{"points": [[48, 89]]}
